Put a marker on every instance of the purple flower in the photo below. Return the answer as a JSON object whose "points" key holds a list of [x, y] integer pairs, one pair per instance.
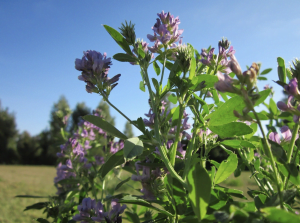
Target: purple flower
{"points": [[116, 210], [274, 136], [292, 87], [209, 57], [225, 83], [165, 29], [100, 215], [85, 210]]}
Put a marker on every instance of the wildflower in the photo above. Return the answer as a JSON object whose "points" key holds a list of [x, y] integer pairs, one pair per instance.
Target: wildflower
{"points": [[166, 29], [292, 87], [274, 136], [95, 67], [209, 56], [225, 83]]}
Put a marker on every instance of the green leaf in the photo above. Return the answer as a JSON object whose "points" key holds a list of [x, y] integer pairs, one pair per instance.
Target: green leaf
{"points": [[30, 196], [226, 168], [281, 69], [192, 68], [231, 129], [132, 217], [101, 123], [113, 161], [210, 80], [232, 143], [118, 38], [262, 78], [122, 57], [215, 163], [69, 181], [156, 68], [273, 107], [224, 114], [155, 84], [216, 97], [247, 144], [278, 152], [132, 147], [42, 220], [263, 95], [199, 187], [266, 71], [292, 169], [177, 193], [129, 199], [37, 206], [142, 86], [121, 183], [230, 191], [276, 215], [172, 98]]}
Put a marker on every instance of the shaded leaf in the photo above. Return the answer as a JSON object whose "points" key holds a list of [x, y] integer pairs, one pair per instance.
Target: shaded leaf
{"points": [[226, 168], [121, 183], [199, 187], [122, 57], [132, 147], [276, 215], [113, 161]]}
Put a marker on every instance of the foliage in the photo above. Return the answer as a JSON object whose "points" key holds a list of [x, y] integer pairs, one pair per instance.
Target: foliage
{"points": [[168, 160]]}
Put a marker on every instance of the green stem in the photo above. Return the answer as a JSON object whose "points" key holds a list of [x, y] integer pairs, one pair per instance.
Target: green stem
{"points": [[174, 146], [268, 148], [161, 146], [128, 119], [163, 70], [290, 152]]}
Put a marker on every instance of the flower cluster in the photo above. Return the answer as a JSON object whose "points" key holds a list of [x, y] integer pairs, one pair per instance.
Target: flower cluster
{"points": [[76, 150], [90, 210], [166, 31], [293, 91], [94, 68]]}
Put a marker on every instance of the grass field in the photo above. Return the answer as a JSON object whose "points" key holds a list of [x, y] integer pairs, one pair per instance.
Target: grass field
{"points": [[38, 180]]}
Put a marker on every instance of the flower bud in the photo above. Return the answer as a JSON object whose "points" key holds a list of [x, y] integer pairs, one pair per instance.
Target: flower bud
{"points": [[296, 69], [184, 57], [128, 32], [224, 43], [235, 66], [292, 87]]}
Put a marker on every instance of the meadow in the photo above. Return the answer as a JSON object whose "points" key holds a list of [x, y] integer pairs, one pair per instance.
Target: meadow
{"points": [[38, 180]]}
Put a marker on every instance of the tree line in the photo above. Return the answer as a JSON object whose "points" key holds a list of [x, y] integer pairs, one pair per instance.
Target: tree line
{"points": [[22, 148]]}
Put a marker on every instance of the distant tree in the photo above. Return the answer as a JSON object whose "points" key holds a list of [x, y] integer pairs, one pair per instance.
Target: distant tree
{"points": [[46, 145], [8, 136], [28, 149], [105, 112], [128, 130], [80, 110], [59, 111]]}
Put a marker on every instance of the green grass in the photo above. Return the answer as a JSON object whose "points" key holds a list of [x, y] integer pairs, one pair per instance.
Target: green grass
{"points": [[23, 180], [38, 180]]}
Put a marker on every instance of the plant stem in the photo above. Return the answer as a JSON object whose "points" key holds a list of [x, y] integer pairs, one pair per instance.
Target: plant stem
{"points": [[290, 152], [174, 146], [267, 147], [163, 70], [161, 146], [128, 119]]}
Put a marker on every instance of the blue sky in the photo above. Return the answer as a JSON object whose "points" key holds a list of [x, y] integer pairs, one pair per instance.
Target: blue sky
{"points": [[40, 41]]}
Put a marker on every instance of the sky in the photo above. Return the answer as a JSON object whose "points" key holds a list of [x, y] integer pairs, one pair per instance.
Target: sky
{"points": [[40, 40]]}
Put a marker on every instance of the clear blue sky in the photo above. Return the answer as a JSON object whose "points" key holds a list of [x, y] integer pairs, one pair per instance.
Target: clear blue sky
{"points": [[40, 40]]}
